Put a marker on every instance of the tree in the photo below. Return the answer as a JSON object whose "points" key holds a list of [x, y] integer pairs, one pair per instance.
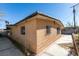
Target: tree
{"points": [[69, 24]]}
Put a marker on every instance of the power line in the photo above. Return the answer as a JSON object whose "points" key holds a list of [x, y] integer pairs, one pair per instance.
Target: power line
{"points": [[74, 13], [75, 5]]}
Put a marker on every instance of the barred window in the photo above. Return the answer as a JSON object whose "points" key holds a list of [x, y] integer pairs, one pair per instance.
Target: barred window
{"points": [[23, 30], [58, 30], [48, 29]]}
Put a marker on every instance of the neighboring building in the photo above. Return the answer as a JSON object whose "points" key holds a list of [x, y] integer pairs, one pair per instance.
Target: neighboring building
{"points": [[0, 30], [36, 31], [3, 32], [70, 30]]}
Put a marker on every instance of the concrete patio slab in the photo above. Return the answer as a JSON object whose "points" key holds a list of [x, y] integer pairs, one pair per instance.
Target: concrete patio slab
{"points": [[55, 49], [64, 39], [11, 52], [4, 44], [8, 49]]}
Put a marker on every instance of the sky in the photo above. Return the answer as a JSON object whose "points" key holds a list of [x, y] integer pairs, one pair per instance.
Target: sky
{"points": [[14, 12]]}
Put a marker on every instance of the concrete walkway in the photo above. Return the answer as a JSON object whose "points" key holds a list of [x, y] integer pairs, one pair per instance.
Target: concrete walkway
{"points": [[55, 49], [8, 49]]}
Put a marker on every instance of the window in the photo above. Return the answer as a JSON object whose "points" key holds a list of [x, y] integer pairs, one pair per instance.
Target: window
{"points": [[58, 30], [23, 30], [10, 33], [48, 29]]}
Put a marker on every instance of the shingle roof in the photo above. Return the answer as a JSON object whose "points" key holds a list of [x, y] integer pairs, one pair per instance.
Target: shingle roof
{"points": [[35, 13]]}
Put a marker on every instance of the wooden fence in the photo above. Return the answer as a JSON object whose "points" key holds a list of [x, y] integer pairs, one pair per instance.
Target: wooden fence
{"points": [[75, 44]]}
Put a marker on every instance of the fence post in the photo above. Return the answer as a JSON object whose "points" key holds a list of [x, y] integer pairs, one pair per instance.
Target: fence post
{"points": [[74, 44]]}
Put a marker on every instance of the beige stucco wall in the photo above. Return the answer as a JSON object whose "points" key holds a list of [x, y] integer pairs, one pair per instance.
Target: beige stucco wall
{"points": [[43, 40], [29, 39], [35, 38]]}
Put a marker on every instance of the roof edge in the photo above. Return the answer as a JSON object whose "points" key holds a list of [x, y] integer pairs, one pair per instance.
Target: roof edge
{"points": [[35, 13]]}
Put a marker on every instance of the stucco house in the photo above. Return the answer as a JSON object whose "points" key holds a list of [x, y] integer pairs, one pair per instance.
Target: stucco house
{"points": [[36, 32]]}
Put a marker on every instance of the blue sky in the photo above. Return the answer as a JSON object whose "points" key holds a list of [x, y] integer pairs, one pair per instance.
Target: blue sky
{"points": [[15, 12]]}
